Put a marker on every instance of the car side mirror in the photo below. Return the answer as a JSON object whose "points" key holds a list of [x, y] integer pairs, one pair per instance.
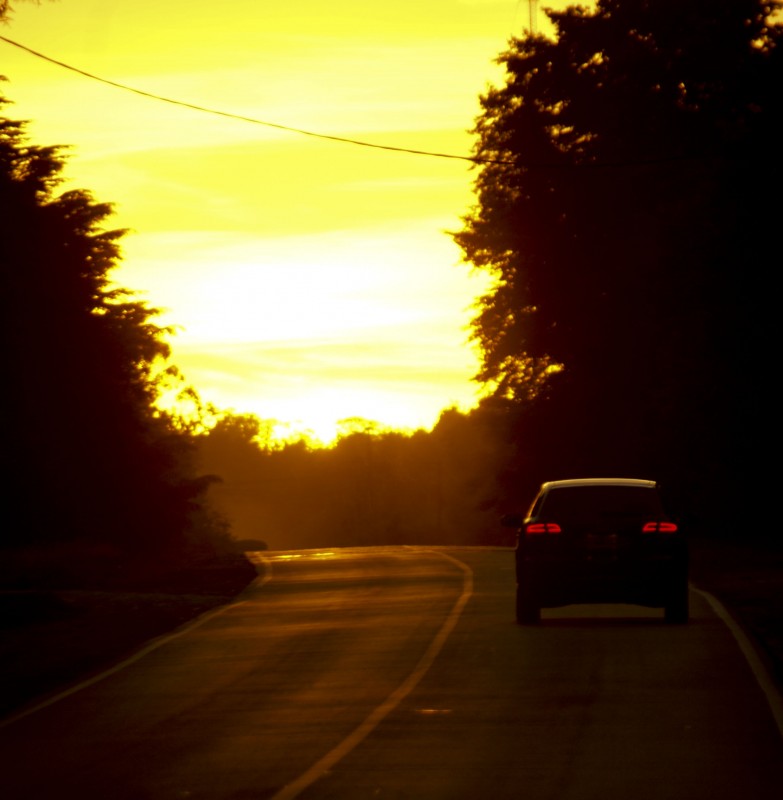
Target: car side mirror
{"points": [[511, 520]]}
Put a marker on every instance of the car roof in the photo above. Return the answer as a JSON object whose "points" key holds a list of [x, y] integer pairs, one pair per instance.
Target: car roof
{"points": [[598, 482]]}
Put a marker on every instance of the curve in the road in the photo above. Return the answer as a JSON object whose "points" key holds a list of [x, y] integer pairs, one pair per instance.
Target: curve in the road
{"points": [[378, 714]]}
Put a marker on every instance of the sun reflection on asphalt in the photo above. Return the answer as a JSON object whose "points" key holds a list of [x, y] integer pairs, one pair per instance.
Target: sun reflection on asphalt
{"points": [[290, 556]]}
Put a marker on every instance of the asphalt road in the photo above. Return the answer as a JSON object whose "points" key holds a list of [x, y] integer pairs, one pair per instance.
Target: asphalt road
{"points": [[400, 673]]}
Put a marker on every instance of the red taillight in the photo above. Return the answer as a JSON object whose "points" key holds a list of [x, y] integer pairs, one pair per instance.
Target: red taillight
{"points": [[659, 527], [542, 527]]}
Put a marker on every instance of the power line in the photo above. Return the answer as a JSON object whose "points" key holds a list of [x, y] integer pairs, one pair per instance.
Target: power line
{"points": [[474, 159], [229, 115]]}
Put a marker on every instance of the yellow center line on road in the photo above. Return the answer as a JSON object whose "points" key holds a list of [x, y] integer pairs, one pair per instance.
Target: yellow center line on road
{"points": [[324, 764]]}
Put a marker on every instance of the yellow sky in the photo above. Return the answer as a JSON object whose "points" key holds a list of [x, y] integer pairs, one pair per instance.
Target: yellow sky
{"points": [[309, 280]]}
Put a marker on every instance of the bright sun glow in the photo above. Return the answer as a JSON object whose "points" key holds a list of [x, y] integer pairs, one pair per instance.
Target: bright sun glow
{"points": [[309, 281]]}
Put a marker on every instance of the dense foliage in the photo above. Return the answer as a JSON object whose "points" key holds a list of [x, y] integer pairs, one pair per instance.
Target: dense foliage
{"points": [[372, 487], [90, 460], [628, 210]]}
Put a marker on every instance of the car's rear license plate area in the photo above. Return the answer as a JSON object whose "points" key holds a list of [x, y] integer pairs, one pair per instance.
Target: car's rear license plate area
{"points": [[601, 541], [601, 546]]}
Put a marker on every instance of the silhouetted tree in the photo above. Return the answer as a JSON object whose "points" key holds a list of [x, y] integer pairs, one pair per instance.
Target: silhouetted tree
{"points": [[626, 213], [90, 457], [5, 9]]}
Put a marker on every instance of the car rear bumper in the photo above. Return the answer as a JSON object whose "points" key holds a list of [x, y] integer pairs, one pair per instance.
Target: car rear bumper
{"points": [[554, 583]]}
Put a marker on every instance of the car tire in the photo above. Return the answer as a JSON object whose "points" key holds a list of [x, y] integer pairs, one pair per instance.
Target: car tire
{"points": [[676, 611], [528, 611]]}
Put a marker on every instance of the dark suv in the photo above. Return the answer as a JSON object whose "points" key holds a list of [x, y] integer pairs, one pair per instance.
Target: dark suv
{"points": [[599, 540]]}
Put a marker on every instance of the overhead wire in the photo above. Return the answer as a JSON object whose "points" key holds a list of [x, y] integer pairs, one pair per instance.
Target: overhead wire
{"points": [[242, 118], [343, 139]]}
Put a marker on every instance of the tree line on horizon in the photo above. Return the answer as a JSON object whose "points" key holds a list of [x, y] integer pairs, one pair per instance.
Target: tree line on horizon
{"points": [[627, 207], [371, 487]]}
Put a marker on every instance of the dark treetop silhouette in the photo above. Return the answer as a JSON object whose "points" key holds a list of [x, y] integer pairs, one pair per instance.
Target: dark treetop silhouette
{"points": [[629, 229], [90, 460]]}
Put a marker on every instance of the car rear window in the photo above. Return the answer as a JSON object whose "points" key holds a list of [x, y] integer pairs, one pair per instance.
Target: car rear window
{"points": [[578, 502]]}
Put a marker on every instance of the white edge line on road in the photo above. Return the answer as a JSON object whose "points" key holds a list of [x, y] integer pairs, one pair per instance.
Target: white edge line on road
{"points": [[755, 661], [306, 779], [153, 645]]}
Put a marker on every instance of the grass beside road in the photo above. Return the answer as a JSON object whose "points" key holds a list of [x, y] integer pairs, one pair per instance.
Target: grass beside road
{"points": [[50, 639]]}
